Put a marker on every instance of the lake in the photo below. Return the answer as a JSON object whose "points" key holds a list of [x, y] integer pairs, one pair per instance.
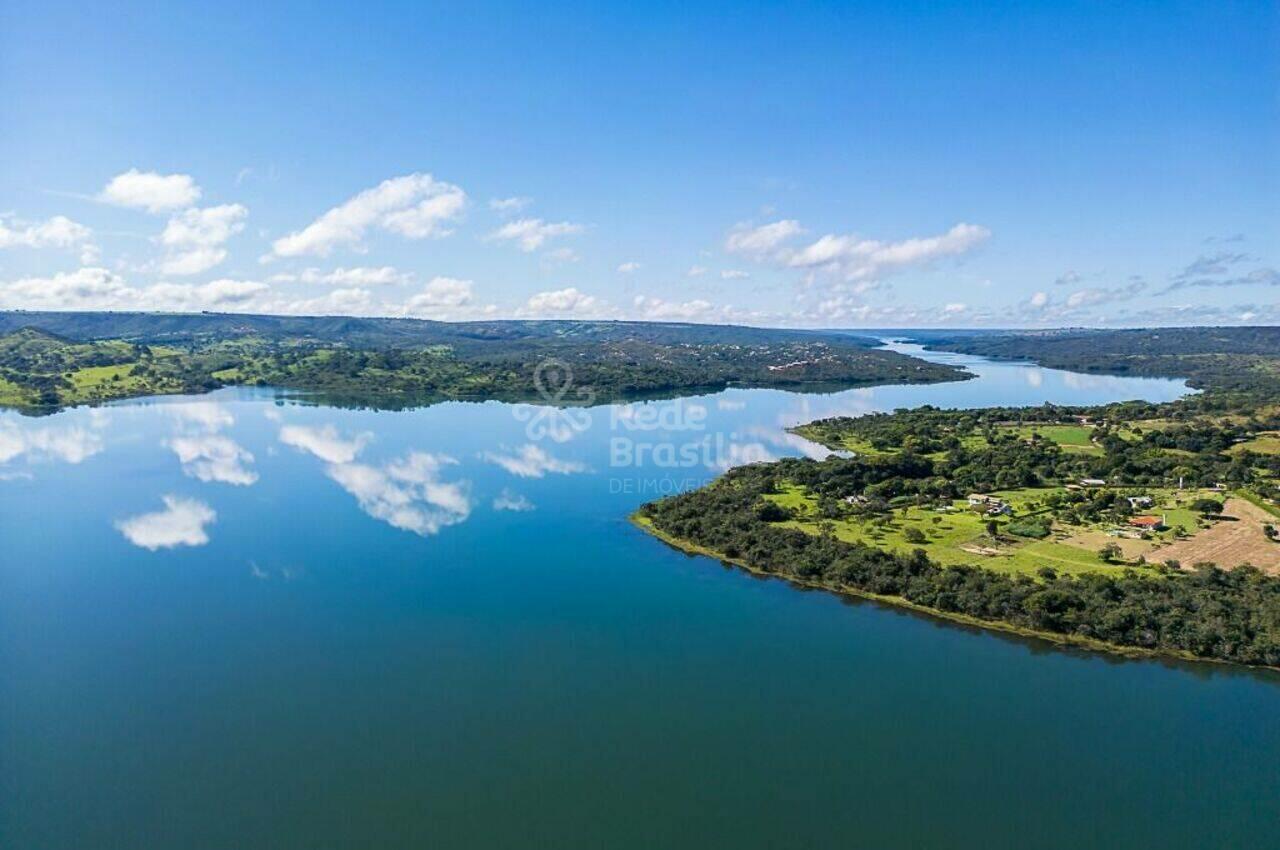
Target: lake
{"points": [[241, 621]]}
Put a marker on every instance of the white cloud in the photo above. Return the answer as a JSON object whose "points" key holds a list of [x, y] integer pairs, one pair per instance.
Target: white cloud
{"points": [[1039, 300], [150, 191], [531, 461], [954, 308], [696, 271], [407, 493], [508, 500], [355, 276], [562, 302], [214, 457], [530, 233], [415, 206], [507, 206], [762, 240], [628, 268], [181, 523], [324, 442], [195, 237], [733, 274], [56, 232], [440, 293], [858, 259], [93, 288], [656, 308]]}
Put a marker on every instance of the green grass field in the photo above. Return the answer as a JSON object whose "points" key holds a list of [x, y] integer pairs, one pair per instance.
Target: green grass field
{"points": [[1263, 444], [951, 534], [1071, 438]]}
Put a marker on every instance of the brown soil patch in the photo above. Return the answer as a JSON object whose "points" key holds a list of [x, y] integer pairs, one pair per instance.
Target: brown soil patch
{"points": [[1130, 548], [1230, 544]]}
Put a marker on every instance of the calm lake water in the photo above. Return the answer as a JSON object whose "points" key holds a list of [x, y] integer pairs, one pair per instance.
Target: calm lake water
{"points": [[236, 621]]}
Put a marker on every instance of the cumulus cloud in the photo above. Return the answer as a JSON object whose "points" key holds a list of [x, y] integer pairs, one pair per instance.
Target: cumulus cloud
{"points": [[93, 288], [324, 442], [629, 267], [56, 232], [214, 457], [150, 191], [856, 259], [656, 308], [508, 500], [415, 206], [562, 302], [531, 233], [408, 493], [734, 274], [532, 461], [440, 294], [181, 523], [194, 238], [696, 271]]}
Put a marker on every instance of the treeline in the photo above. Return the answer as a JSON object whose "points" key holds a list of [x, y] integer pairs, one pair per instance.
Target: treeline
{"points": [[40, 370], [1208, 613], [984, 449], [1227, 359]]}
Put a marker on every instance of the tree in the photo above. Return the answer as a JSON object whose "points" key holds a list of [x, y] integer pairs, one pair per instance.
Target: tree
{"points": [[914, 535], [1109, 553], [1208, 507]]}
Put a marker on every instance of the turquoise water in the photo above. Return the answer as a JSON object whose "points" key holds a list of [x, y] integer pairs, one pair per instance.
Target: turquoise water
{"points": [[410, 629]]}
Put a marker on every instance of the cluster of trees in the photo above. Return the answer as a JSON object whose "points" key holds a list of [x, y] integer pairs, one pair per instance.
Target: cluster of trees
{"points": [[1208, 613], [383, 363]]}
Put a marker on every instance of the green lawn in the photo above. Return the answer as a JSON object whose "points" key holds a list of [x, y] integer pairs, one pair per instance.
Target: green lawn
{"points": [[949, 534], [1071, 438]]}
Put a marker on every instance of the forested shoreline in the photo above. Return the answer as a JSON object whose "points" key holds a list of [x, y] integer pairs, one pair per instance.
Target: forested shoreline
{"points": [[398, 363], [1075, 468]]}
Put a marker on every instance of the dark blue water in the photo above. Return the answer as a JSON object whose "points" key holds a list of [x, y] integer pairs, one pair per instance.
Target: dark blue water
{"points": [[238, 622]]}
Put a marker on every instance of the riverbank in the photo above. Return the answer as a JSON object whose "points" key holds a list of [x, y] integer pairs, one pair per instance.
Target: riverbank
{"points": [[1074, 641]]}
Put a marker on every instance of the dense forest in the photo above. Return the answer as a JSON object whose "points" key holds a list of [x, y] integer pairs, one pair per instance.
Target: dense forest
{"points": [[51, 360]]}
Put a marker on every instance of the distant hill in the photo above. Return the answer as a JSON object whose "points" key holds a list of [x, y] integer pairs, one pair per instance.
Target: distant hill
{"points": [[464, 337]]}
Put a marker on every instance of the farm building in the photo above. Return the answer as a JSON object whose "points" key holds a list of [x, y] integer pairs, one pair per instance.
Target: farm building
{"points": [[1149, 523]]}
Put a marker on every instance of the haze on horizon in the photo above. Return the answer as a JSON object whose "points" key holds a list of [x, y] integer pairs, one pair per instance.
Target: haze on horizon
{"points": [[832, 165]]}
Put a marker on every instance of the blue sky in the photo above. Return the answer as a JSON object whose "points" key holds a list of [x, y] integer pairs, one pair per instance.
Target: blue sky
{"points": [[830, 164]]}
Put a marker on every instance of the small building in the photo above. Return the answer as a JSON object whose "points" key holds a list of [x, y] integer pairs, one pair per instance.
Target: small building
{"points": [[976, 499], [1093, 482], [1147, 523], [999, 509], [1137, 502]]}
